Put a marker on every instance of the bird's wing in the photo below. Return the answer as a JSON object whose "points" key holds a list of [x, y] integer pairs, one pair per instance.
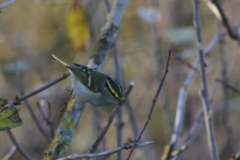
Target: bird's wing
{"points": [[86, 78]]}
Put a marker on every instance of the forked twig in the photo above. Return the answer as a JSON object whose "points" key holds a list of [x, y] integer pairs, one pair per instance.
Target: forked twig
{"points": [[107, 153]]}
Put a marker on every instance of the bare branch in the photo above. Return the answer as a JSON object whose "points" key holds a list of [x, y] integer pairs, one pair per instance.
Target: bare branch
{"points": [[5, 4], [21, 150], [151, 109], [123, 147], [119, 77], [21, 90], [225, 21], [44, 107], [132, 117], [204, 93], [110, 120], [182, 97], [26, 96], [10, 153], [108, 36], [228, 147], [216, 79], [180, 112], [235, 156]]}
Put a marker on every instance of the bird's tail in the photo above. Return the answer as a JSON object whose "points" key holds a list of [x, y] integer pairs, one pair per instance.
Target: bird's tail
{"points": [[62, 61]]}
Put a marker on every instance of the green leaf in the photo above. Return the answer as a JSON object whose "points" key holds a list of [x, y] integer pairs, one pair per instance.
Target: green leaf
{"points": [[180, 35], [9, 116]]}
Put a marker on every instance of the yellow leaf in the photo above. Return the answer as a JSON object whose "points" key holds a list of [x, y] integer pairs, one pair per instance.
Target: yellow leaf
{"points": [[79, 28]]}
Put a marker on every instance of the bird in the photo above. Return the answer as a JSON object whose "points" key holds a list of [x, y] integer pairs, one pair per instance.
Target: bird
{"points": [[93, 87]]}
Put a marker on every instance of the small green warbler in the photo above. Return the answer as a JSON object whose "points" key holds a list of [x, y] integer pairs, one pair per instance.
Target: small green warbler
{"points": [[91, 86]]}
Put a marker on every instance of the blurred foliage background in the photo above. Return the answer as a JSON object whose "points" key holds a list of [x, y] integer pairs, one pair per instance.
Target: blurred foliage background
{"points": [[30, 31]]}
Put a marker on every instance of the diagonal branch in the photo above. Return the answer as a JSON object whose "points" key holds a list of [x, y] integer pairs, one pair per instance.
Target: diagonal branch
{"points": [[26, 96], [225, 21], [5, 4], [216, 79], [20, 149], [10, 153], [21, 90], [151, 109], [110, 120], [107, 153]]}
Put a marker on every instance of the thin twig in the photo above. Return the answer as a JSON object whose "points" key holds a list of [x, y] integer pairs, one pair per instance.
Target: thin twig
{"points": [[132, 117], [235, 156], [10, 153], [110, 120], [37, 121], [204, 93], [130, 111], [97, 119], [151, 109], [180, 112], [228, 147], [216, 79], [107, 153], [21, 90], [26, 96], [187, 139], [21, 150], [44, 108], [225, 21], [119, 77], [104, 130], [5, 4]]}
